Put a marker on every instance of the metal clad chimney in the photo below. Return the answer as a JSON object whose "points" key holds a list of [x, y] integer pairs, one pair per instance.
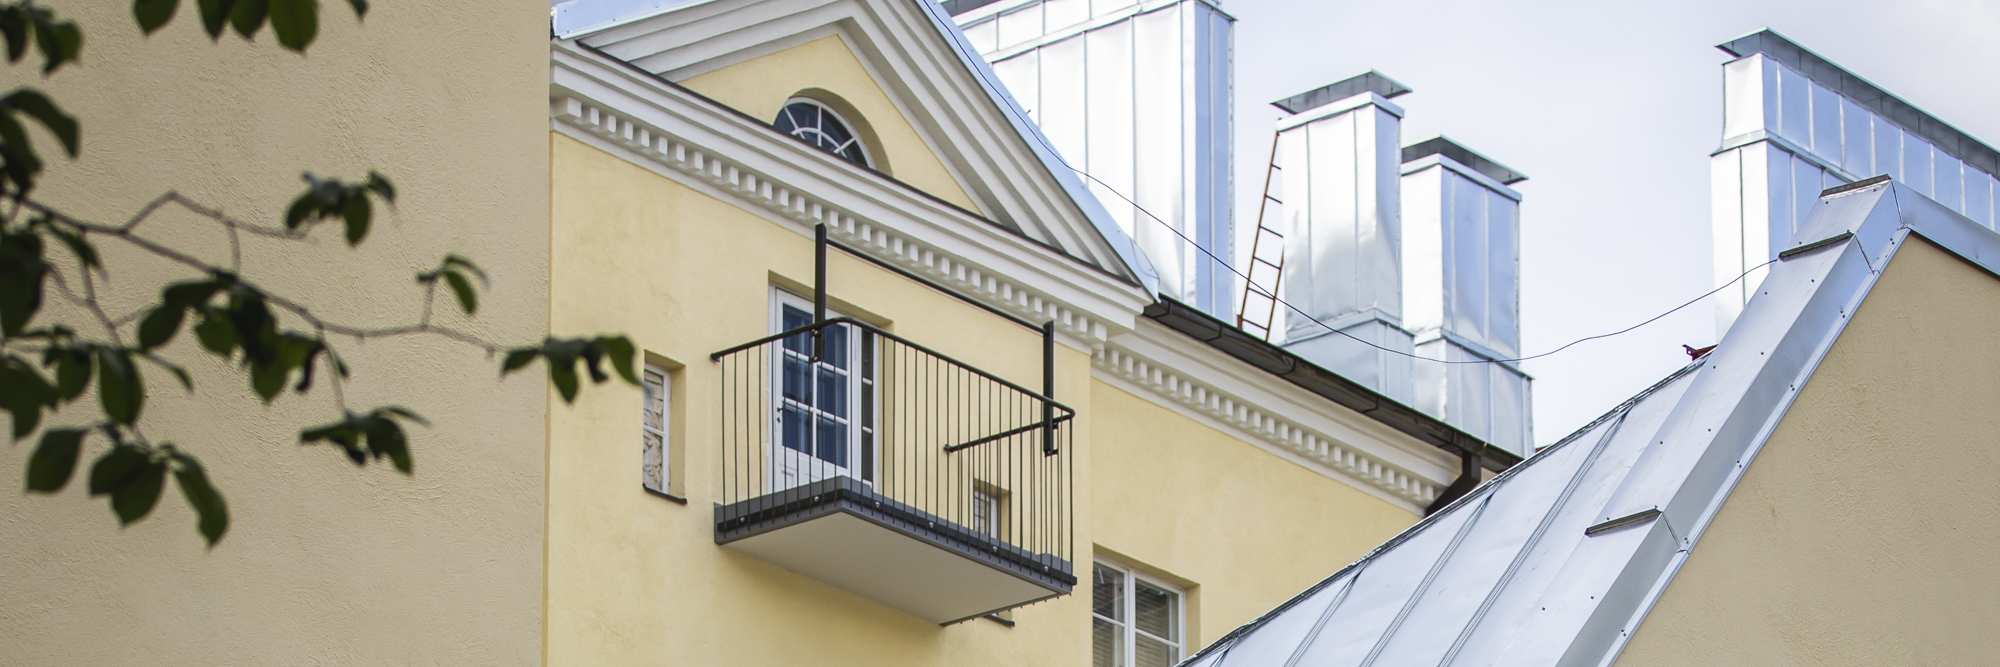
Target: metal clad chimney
{"points": [[1343, 250], [1462, 285], [1795, 124], [1136, 95]]}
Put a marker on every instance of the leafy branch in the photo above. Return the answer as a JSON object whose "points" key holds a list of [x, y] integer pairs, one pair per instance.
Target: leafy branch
{"points": [[48, 363]]}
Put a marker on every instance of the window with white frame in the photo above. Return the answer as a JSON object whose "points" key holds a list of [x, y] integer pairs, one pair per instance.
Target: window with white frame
{"points": [[653, 427], [824, 417], [1136, 620]]}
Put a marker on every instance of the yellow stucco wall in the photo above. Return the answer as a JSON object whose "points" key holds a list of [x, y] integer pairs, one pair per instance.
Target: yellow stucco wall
{"points": [[1865, 531], [1248, 529], [760, 87], [323, 563]]}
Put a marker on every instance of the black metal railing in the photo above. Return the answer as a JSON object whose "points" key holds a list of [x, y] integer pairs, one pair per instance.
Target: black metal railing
{"points": [[842, 411]]}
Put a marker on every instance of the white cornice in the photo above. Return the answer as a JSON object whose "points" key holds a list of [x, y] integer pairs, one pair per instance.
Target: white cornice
{"points": [[686, 137], [1296, 424]]}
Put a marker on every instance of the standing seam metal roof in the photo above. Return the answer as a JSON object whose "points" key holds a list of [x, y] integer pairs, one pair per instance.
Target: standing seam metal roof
{"points": [[1556, 561]]}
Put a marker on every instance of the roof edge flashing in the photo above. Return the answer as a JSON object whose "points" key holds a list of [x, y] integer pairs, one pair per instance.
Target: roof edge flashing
{"points": [[1443, 145], [1370, 81]]}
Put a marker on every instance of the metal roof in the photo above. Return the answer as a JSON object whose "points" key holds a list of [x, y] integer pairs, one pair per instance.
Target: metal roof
{"points": [[1557, 560]]}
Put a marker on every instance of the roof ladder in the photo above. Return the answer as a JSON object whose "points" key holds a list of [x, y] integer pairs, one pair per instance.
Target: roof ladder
{"points": [[1259, 305]]}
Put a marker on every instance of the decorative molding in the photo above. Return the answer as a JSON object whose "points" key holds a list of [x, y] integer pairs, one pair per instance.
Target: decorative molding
{"points": [[787, 202], [1261, 424]]}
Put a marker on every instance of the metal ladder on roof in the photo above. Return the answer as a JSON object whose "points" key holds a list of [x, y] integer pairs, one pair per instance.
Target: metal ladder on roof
{"points": [[1259, 305]]}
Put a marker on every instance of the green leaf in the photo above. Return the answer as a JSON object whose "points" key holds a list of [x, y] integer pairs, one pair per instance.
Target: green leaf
{"points": [[296, 22], [23, 394], [385, 438], [301, 208], [622, 354], [154, 13], [247, 16], [59, 41], [72, 373], [117, 468], [21, 162], [14, 24], [159, 326], [38, 106], [356, 212], [215, 332], [215, 16], [211, 513], [119, 387], [360, 8], [517, 358], [22, 274], [380, 184], [136, 499], [563, 376], [462, 288], [54, 460]]}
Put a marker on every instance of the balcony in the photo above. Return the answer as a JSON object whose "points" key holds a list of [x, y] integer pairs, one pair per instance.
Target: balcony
{"points": [[886, 469]]}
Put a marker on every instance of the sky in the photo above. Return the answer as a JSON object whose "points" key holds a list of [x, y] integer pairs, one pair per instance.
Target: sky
{"points": [[1611, 109]]}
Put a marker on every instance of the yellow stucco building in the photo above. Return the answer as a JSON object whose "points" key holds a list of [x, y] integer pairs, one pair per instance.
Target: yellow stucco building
{"points": [[982, 437]]}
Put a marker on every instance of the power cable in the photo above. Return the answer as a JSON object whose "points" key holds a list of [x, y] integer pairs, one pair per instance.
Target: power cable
{"points": [[981, 72]]}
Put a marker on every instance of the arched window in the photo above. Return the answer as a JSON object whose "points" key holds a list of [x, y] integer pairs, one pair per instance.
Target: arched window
{"points": [[820, 126]]}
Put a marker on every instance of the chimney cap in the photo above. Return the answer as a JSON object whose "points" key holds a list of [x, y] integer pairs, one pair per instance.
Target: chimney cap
{"points": [[1442, 145], [1370, 81]]}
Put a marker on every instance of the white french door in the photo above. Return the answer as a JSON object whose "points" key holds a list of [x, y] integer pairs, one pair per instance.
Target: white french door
{"points": [[822, 414]]}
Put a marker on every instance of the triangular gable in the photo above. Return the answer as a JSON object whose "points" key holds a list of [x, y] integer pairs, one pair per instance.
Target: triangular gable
{"points": [[918, 59], [1559, 559]]}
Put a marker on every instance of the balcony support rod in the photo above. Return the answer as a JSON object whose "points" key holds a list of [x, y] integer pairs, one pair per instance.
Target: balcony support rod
{"points": [[1048, 388], [819, 292]]}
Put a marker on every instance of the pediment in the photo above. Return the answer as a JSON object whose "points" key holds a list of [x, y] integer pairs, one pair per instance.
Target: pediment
{"points": [[941, 120]]}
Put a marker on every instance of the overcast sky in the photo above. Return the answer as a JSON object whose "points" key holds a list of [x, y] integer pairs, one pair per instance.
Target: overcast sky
{"points": [[1611, 109]]}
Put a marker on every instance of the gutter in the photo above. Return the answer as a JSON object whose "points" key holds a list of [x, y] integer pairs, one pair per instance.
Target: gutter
{"points": [[1477, 454]]}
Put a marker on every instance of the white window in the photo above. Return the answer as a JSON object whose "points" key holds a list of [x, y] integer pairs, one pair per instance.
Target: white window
{"points": [[986, 512], [819, 125], [1136, 620], [653, 427], [824, 415]]}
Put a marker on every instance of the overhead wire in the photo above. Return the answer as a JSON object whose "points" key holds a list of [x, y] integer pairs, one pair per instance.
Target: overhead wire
{"points": [[1009, 99]]}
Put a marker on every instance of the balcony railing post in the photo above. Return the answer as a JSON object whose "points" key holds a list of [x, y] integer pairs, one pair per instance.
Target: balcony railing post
{"points": [[819, 291], [1048, 388]]}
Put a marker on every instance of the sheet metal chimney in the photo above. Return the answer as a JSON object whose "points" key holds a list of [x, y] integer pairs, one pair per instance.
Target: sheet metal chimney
{"points": [[1462, 286], [1137, 95], [1794, 124], [1340, 153]]}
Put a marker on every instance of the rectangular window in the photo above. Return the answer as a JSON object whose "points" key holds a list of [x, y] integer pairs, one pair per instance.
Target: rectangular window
{"points": [[653, 428], [1136, 621], [986, 513]]}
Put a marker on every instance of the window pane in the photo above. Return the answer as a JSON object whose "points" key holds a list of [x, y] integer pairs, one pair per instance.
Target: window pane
{"points": [[656, 392], [836, 346], [1154, 610], [1150, 652], [798, 378], [795, 424], [832, 442], [1107, 593], [832, 392], [793, 318], [1105, 644]]}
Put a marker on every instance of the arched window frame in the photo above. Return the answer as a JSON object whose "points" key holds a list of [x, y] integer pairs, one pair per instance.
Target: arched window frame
{"points": [[854, 149]]}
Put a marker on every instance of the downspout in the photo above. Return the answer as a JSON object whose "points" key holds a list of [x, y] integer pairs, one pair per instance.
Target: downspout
{"points": [[1468, 479]]}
